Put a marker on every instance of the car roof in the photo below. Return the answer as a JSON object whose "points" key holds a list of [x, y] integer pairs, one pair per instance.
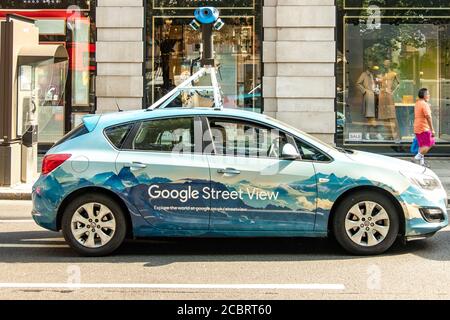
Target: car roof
{"points": [[111, 119]]}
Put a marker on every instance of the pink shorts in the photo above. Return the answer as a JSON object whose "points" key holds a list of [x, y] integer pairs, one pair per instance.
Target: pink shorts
{"points": [[425, 139]]}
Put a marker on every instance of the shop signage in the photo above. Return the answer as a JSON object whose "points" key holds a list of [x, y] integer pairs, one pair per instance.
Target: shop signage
{"points": [[43, 4], [398, 4], [190, 4], [355, 136]]}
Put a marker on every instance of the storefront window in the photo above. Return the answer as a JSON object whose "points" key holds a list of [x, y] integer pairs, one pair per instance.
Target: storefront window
{"points": [[173, 49], [398, 4], [69, 23], [384, 58]]}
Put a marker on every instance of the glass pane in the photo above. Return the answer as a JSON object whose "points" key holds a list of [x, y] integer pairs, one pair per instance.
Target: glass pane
{"points": [[166, 135], [117, 135], [385, 67], [50, 82], [44, 4], [173, 51], [51, 27], [445, 83], [236, 138], [407, 4], [80, 62]]}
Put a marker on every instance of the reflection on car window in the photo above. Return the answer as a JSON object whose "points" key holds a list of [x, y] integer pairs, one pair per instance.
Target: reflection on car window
{"points": [[308, 152], [118, 134], [168, 135], [239, 138]]}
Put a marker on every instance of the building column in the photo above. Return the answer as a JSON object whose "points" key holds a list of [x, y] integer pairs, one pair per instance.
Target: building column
{"points": [[119, 55], [299, 55]]}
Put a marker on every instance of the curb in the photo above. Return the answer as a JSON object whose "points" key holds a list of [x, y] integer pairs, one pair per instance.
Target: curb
{"points": [[15, 196]]}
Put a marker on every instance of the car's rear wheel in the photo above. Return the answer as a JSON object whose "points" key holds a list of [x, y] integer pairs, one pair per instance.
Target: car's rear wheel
{"points": [[366, 223], [94, 225]]}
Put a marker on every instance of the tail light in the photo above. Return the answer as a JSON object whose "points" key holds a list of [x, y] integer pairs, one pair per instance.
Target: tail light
{"points": [[53, 161]]}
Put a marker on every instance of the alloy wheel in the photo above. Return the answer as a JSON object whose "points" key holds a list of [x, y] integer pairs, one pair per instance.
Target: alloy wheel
{"points": [[93, 225], [367, 224]]}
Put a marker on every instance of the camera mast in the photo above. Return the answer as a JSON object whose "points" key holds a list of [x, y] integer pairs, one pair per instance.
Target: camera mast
{"points": [[206, 20]]}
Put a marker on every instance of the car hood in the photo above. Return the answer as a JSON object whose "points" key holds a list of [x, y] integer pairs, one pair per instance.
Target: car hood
{"points": [[386, 162]]}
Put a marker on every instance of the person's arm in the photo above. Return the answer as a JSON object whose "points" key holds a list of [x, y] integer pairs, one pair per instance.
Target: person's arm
{"points": [[429, 118], [430, 123], [397, 83], [360, 83]]}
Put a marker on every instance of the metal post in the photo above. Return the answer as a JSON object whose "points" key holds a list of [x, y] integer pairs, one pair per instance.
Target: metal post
{"points": [[207, 62], [208, 45]]}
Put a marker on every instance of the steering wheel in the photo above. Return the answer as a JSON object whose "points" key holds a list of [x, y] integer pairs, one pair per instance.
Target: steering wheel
{"points": [[274, 150]]}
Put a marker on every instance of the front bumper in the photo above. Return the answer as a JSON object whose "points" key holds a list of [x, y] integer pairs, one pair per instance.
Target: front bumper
{"points": [[417, 227]]}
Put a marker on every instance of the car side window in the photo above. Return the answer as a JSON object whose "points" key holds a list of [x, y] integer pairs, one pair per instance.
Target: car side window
{"points": [[233, 137], [117, 134], [166, 135], [308, 152]]}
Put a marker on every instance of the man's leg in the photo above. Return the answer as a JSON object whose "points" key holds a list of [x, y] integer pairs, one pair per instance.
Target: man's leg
{"points": [[421, 156]]}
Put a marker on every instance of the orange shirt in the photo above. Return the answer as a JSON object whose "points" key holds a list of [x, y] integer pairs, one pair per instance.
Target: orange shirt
{"points": [[421, 111]]}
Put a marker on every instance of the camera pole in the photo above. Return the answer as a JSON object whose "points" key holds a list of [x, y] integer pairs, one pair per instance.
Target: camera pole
{"points": [[208, 45], [206, 19]]}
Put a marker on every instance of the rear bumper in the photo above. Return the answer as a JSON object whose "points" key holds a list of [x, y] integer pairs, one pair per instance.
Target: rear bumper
{"points": [[45, 209], [43, 221]]}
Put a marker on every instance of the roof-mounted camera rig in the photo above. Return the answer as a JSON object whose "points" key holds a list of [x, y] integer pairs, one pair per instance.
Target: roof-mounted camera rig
{"points": [[207, 20]]}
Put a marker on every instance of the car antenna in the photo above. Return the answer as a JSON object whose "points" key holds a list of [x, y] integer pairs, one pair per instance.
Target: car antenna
{"points": [[117, 105]]}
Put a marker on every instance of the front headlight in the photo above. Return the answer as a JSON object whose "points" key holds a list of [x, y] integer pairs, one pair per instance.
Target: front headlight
{"points": [[423, 181]]}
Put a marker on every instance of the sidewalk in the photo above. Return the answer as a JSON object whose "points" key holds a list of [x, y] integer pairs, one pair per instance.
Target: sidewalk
{"points": [[441, 166], [20, 192]]}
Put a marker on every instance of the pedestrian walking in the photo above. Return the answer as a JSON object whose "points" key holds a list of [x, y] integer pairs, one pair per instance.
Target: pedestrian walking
{"points": [[423, 126]]}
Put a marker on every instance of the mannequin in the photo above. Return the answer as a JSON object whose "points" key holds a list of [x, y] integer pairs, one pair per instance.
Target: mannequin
{"points": [[367, 86], [387, 112]]}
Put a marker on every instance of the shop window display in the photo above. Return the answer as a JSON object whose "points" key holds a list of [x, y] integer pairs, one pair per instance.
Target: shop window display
{"points": [[383, 61], [173, 51]]}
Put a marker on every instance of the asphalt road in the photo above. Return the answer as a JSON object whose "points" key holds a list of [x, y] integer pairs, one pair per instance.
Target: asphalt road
{"points": [[37, 264]]}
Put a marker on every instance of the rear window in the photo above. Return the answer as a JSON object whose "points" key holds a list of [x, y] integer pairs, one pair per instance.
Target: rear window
{"points": [[75, 133], [116, 135]]}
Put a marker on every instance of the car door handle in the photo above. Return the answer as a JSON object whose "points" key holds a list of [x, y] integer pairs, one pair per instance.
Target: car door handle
{"points": [[229, 171], [136, 165]]}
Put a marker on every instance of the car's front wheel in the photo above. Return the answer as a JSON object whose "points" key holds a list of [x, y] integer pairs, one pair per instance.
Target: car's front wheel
{"points": [[94, 225], [366, 223]]}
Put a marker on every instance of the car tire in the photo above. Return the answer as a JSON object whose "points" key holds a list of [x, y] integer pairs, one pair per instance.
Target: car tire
{"points": [[112, 227], [358, 225]]}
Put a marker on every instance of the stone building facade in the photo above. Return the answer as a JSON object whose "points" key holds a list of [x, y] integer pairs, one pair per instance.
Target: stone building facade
{"points": [[298, 60]]}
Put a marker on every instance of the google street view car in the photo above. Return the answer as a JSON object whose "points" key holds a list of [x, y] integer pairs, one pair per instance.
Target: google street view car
{"points": [[203, 172]]}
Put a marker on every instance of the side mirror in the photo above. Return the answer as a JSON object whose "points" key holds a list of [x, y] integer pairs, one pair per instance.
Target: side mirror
{"points": [[290, 152]]}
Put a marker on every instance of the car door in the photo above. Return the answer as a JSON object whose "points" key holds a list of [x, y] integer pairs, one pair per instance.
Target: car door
{"points": [[165, 171], [252, 188]]}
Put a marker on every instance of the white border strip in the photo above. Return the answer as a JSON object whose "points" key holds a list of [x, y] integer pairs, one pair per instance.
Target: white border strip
{"points": [[171, 286], [17, 221]]}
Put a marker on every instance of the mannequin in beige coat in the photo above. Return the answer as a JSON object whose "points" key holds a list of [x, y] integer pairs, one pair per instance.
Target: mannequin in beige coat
{"points": [[389, 84], [367, 86]]}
